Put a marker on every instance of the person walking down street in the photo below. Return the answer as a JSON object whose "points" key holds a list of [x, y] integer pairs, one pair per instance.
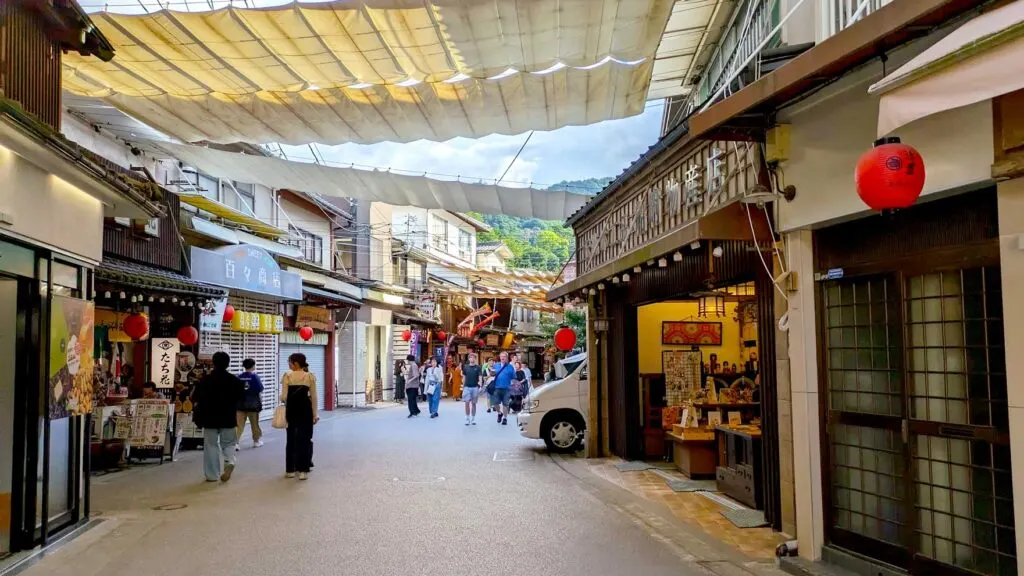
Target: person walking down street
{"points": [[399, 380], [216, 399], [489, 384], [412, 385], [471, 388], [518, 389], [456, 377], [435, 380], [504, 373], [251, 405], [298, 390]]}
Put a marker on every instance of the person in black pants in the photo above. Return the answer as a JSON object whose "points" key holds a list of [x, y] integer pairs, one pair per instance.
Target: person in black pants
{"points": [[400, 380], [298, 390], [412, 385]]}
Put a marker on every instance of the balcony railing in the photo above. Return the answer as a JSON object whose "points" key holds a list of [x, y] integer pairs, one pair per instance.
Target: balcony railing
{"points": [[838, 15]]}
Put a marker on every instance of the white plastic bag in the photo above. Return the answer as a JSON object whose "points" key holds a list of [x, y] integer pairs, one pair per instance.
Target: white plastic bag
{"points": [[430, 390]]}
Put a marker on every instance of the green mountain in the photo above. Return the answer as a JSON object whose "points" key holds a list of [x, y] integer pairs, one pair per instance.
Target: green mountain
{"points": [[539, 244]]}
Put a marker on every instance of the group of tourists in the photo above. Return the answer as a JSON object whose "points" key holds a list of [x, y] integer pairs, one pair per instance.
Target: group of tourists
{"points": [[505, 381], [223, 402]]}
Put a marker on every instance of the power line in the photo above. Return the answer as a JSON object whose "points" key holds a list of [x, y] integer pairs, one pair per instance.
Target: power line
{"points": [[516, 157]]}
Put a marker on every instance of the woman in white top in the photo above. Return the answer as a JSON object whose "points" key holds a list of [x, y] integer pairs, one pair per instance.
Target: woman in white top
{"points": [[434, 376], [298, 393]]}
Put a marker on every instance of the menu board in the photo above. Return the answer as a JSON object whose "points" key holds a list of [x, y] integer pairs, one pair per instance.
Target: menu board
{"points": [[185, 427], [682, 375], [150, 424]]}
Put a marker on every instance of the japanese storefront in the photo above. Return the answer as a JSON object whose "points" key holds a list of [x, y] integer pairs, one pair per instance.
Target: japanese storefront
{"points": [[675, 260], [257, 289]]}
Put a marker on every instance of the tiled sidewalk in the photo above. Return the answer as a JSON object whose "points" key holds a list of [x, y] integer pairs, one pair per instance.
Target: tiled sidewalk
{"points": [[758, 543]]}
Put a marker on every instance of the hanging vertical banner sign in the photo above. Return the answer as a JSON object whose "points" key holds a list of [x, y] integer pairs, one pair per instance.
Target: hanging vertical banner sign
{"points": [[163, 361], [211, 318]]}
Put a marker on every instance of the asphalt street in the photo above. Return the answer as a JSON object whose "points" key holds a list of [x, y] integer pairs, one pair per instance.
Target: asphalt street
{"points": [[389, 495]]}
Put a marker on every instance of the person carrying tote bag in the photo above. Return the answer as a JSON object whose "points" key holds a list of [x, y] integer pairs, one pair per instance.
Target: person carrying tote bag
{"points": [[298, 393], [435, 376]]}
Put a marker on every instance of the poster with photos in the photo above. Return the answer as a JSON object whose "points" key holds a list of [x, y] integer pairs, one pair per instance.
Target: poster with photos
{"points": [[682, 375]]}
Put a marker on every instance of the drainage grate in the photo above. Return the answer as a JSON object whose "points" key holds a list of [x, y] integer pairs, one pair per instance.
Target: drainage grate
{"points": [[745, 518], [692, 485], [633, 466], [168, 507]]}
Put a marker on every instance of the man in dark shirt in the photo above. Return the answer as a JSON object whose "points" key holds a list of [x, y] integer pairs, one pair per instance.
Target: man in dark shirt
{"points": [[252, 403], [471, 388]]}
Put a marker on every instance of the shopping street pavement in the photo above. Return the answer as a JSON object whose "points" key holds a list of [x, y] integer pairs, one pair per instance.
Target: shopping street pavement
{"points": [[388, 496]]}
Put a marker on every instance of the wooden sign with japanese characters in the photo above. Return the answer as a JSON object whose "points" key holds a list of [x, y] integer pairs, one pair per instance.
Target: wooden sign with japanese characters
{"points": [[709, 176]]}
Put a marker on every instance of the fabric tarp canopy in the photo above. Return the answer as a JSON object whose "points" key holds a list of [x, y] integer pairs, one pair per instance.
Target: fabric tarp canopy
{"points": [[978, 61], [374, 70], [388, 187]]}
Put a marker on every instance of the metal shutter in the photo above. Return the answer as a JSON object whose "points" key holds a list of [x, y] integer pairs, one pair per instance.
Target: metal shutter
{"points": [[316, 357], [263, 348]]}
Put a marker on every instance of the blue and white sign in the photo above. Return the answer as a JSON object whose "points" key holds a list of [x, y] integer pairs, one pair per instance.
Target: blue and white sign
{"points": [[245, 267]]}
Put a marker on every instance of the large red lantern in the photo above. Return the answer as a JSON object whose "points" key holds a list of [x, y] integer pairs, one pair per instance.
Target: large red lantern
{"points": [[188, 335], [890, 175], [480, 342], [441, 335], [229, 313], [136, 326], [565, 338], [306, 333], [407, 335]]}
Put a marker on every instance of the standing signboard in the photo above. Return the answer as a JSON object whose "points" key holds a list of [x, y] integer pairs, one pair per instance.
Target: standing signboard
{"points": [[163, 361]]}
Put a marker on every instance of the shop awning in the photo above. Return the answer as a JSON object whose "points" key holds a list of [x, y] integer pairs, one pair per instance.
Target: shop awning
{"points": [[729, 222], [275, 248], [405, 316], [116, 272], [342, 71], [978, 61], [388, 187], [316, 294], [231, 215]]}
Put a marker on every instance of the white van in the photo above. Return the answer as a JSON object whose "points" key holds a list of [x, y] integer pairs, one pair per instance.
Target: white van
{"points": [[557, 411]]}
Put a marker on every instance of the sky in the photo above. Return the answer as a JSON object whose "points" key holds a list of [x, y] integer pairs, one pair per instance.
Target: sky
{"points": [[570, 153]]}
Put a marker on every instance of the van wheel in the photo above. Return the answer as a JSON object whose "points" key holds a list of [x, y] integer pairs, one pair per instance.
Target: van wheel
{"points": [[563, 432]]}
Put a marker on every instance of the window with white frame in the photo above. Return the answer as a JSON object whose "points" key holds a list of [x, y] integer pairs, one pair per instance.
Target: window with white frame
{"points": [[241, 196], [311, 245], [465, 245], [208, 186], [438, 232]]}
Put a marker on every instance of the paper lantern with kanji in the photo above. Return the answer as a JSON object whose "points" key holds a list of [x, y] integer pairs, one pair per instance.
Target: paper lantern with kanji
{"points": [[565, 338], [890, 175], [229, 313], [407, 335], [188, 335], [136, 326], [306, 333]]}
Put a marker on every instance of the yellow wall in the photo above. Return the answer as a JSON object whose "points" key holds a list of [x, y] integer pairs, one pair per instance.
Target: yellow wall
{"points": [[650, 317]]}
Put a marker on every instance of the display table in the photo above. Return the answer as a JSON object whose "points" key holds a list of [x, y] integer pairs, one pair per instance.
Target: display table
{"points": [[696, 458], [739, 472]]}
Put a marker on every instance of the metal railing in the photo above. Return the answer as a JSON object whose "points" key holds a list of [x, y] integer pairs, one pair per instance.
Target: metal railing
{"points": [[838, 15]]}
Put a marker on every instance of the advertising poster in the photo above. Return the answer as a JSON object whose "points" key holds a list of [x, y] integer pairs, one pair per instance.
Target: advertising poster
{"points": [[211, 319], [163, 361], [149, 426], [71, 360]]}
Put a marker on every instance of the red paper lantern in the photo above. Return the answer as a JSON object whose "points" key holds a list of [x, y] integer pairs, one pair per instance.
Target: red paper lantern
{"points": [[306, 333], [407, 335], [136, 326], [441, 335], [188, 335], [890, 175], [229, 313], [480, 342], [565, 338]]}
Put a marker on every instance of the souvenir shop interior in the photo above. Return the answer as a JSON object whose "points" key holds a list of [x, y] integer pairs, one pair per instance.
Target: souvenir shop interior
{"points": [[700, 388]]}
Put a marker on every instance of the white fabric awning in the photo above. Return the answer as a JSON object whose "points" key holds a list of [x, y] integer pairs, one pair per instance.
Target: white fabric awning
{"points": [[394, 189], [374, 70], [978, 61]]}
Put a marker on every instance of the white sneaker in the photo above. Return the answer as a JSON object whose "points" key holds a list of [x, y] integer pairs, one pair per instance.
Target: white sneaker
{"points": [[303, 476], [258, 443], [237, 448], [467, 421], [289, 475]]}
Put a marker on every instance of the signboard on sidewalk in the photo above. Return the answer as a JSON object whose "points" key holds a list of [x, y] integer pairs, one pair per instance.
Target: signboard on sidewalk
{"points": [[150, 424]]}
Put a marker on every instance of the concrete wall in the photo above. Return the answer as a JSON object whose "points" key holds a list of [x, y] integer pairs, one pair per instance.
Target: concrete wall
{"points": [[414, 226], [48, 210], [491, 261], [833, 129]]}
